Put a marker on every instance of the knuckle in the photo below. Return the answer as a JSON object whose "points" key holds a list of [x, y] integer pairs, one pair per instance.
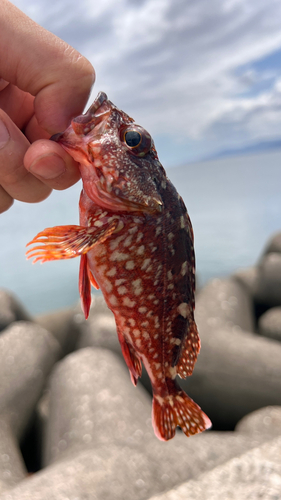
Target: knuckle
{"points": [[6, 201]]}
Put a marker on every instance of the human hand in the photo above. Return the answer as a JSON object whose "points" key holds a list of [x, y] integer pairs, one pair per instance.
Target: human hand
{"points": [[43, 83]]}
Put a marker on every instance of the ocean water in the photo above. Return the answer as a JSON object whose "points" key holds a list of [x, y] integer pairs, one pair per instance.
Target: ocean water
{"points": [[234, 204]]}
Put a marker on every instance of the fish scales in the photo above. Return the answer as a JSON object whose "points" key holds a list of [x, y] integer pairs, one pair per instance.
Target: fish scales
{"points": [[135, 240]]}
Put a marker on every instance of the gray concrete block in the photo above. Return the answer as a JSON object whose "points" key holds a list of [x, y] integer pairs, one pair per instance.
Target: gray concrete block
{"points": [[248, 279], [256, 475], [93, 402], [268, 286], [12, 468], [100, 329], [129, 472], [273, 245], [27, 354], [63, 325], [269, 323], [11, 309], [265, 422], [237, 371], [225, 304]]}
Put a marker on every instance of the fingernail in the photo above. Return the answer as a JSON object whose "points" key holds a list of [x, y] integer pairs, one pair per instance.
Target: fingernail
{"points": [[4, 135], [48, 167]]}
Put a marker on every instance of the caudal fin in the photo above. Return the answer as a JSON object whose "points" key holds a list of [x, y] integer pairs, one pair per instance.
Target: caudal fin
{"points": [[177, 410]]}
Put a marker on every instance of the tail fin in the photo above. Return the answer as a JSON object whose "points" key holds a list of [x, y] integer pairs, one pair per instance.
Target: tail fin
{"points": [[177, 410]]}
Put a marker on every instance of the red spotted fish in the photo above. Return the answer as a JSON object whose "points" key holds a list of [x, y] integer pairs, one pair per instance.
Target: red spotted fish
{"points": [[135, 242]]}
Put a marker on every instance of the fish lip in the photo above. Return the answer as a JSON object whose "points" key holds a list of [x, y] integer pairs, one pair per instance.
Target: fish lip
{"points": [[86, 117], [56, 137], [99, 100]]}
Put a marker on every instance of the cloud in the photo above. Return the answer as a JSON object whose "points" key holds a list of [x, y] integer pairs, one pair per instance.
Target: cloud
{"points": [[181, 68]]}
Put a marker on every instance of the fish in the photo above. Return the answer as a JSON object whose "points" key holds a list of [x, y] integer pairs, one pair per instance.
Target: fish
{"points": [[135, 243]]}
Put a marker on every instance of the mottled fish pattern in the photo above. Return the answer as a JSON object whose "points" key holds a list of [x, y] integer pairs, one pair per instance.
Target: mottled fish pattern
{"points": [[135, 241]]}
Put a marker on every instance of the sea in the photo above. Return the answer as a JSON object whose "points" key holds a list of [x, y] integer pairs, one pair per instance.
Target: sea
{"points": [[234, 204]]}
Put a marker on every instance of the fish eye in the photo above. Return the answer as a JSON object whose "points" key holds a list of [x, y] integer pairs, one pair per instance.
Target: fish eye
{"points": [[132, 138], [137, 140]]}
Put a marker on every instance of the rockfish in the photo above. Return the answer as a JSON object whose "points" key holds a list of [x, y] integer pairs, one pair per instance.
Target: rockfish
{"points": [[135, 241]]}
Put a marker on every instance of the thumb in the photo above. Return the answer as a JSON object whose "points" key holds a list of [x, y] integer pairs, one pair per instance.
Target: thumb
{"points": [[48, 68]]}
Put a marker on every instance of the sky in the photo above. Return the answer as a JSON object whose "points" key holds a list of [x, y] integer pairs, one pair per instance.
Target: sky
{"points": [[202, 76]]}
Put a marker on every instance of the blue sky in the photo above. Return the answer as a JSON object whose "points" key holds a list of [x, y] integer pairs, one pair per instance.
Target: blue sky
{"points": [[201, 75]]}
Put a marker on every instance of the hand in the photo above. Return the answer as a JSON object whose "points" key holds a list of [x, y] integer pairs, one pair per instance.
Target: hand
{"points": [[43, 83]]}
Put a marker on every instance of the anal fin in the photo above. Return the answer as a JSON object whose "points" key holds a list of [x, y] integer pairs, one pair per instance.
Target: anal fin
{"points": [[131, 358], [93, 279]]}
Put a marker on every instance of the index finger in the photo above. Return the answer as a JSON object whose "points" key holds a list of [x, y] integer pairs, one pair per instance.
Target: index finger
{"points": [[45, 66]]}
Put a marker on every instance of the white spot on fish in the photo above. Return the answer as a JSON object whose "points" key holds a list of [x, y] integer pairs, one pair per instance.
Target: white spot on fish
{"points": [[122, 290], [98, 223], [158, 230], [184, 268], [142, 309], [169, 275], [115, 243], [145, 324], [130, 264], [137, 284], [128, 302], [108, 286], [138, 343], [183, 309], [173, 372], [145, 264], [136, 332], [131, 321], [182, 222], [113, 300], [128, 241], [111, 272], [118, 256], [140, 250], [170, 236], [119, 282], [175, 341]]}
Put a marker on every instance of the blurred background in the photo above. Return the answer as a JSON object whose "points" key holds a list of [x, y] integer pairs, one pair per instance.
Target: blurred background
{"points": [[204, 78]]}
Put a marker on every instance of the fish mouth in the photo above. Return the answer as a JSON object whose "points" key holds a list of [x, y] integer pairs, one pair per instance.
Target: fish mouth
{"points": [[81, 121]]}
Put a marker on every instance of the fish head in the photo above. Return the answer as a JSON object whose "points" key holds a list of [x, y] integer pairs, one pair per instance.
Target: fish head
{"points": [[119, 165]]}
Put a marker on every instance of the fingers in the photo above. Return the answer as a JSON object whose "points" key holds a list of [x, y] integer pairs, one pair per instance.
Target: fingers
{"points": [[51, 164], [15, 181], [6, 200], [45, 66], [29, 173]]}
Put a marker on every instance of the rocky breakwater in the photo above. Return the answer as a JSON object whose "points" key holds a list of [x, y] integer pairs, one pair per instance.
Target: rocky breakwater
{"points": [[73, 427]]}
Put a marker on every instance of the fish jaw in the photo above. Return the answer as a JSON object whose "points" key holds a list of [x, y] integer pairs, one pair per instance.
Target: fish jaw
{"points": [[113, 176]]}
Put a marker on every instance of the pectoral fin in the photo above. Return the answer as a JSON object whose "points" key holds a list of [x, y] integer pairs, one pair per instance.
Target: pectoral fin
{"points": [[67, 242]]}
